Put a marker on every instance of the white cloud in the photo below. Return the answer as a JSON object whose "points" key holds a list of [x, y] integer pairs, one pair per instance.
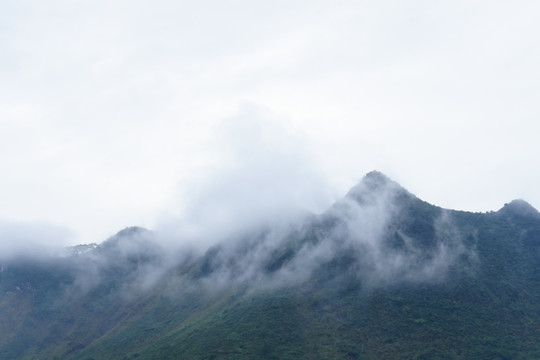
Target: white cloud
{"points": [[31, 239], [107, 106], [264, 174]]}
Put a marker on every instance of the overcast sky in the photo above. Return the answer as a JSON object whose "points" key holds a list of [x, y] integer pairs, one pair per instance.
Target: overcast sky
{"points": [[117, 113]]}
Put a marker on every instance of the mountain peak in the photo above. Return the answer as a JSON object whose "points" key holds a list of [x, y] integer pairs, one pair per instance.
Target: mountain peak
{"points": [[375, 179], [374, 184], [519, 207], [132, 231], [133, 239]]}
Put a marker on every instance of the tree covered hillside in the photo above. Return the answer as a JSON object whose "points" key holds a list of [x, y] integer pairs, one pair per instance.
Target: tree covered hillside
{"points": [[379, 275]]}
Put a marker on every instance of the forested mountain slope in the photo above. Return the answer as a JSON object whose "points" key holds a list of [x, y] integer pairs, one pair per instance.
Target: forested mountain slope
{"points": [[379, 275]]}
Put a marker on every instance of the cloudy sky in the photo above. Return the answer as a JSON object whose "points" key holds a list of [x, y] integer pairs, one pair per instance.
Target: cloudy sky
{"points": [[135, 112]]}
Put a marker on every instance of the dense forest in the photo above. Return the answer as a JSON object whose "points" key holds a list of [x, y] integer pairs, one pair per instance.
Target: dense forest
{"points": [[379, 275]]}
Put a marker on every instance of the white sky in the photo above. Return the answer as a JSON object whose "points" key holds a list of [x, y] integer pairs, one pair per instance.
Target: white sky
{"points": [[117, 113]]}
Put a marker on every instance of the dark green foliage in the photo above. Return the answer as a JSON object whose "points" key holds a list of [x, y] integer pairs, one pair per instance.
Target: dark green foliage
{"points": [[485, 305]]}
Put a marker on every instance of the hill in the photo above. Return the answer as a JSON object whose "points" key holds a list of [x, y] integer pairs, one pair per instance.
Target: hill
{"points": [[379, 275]]}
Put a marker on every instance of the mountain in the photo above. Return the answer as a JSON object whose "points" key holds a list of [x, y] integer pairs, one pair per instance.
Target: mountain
{"points": [[381, 274]]}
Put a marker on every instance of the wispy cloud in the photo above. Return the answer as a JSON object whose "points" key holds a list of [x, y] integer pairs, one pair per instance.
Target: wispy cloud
{"points": [[374, 237], [264, 176], [33, 240], [107, 106]]}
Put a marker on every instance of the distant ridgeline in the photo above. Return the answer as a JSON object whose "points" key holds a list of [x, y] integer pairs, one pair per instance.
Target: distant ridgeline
{"points": [[379, 275]]}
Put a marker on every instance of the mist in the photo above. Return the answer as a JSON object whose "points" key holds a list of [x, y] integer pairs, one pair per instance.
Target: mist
{"points": [[263, 216], [32, 239], [365, 237], [262, 174]]}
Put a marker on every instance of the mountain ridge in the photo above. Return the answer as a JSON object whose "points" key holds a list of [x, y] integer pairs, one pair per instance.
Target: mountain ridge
{"points": [[380, 274]]}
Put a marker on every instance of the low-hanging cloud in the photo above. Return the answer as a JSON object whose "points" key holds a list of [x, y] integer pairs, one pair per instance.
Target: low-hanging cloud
{"points": [[370, 235], [264, 175], [365, 235], [248, 223], [31, 239]]}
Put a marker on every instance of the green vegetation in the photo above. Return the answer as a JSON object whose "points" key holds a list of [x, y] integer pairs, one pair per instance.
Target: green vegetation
{"points": [[485, 305]]}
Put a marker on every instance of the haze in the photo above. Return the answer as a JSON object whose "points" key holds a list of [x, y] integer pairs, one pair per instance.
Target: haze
{"points": [[118, 113]]}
